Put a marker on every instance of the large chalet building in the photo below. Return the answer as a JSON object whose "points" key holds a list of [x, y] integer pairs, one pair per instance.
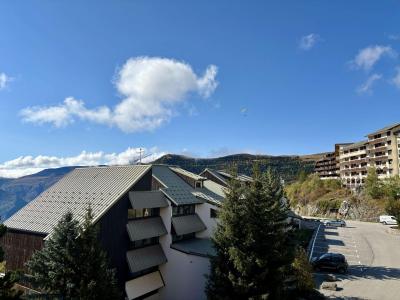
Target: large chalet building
{"points": [[155, 223]]}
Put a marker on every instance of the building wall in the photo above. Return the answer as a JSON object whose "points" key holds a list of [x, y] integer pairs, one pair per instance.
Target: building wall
{"points": [[203, 210], [183, 274], [19, 246], [113, 234]]}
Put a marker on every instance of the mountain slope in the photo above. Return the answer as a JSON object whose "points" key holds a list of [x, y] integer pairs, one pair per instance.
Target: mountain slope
{"points": [[287, 166], [15, 193]]}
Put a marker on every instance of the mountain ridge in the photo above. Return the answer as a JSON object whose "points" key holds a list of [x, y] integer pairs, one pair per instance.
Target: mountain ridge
{"points": [[16, 193]]}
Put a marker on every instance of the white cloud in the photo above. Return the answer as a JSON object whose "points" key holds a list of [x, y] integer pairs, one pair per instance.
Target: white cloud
{"points": [[369, 56], [396, 78], [366, 87], [307, 42], [25, 165], [4, 80], [151, 88]]}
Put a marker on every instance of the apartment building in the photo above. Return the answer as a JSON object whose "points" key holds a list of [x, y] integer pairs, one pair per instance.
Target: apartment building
{"points": [[353, 162], [155, 223], [328, 167], [380, 151], [383, 150]]}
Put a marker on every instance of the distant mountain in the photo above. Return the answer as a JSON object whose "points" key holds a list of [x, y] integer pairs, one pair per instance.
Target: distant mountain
{"points": [[16, 193], [287, 166]]}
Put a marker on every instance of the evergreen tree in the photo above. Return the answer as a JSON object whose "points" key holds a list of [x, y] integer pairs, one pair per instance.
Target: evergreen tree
{"points": [[373, 186], [96, 279], [253, 252], [72, 263], [9, 279], [54, 268]]}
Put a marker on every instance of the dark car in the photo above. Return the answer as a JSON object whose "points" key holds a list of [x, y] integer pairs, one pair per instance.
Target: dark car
{"points": [[331, 261]]}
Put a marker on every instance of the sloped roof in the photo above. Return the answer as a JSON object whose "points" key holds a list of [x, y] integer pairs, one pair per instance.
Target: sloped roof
{"points": [[215, 188], [177, 190], [216, 175], [241, 177], [390, 127], [100, 187], [187, 173]]}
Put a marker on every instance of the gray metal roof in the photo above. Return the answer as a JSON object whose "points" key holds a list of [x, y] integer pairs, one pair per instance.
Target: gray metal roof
{"points": [[144, 258], [241, 177], [145, 228], [216, 188], [176, 189], [187, 173], [215, 174], [100, 187], [208, 195], [187, 224], [199, 247], [147, 199]]}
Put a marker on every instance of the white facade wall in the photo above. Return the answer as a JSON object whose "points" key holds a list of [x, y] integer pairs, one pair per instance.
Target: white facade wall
{"points": [[184, 274], [203, 210]]}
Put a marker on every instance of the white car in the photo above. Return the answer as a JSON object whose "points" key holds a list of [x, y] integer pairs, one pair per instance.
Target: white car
{"points": [[337, 222], [387, 220]]}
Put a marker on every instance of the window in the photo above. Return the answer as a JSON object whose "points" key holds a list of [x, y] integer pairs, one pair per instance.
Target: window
{"points": [[182, 210], [213, 213], [144, 243], [176, 238], [143, 213], [198, 184]]}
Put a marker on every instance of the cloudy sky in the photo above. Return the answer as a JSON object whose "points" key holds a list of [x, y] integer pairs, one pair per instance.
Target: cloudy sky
{"points": [[91, 82]]}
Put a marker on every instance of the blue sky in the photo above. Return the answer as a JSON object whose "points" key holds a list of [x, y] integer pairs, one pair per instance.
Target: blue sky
{"points": [[272, 77]]}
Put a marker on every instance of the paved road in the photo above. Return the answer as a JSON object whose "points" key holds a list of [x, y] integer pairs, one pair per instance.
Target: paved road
{"points": [[374, 258]]}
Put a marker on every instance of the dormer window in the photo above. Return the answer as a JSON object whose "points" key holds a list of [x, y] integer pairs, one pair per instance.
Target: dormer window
{"points": [[198, 184]]}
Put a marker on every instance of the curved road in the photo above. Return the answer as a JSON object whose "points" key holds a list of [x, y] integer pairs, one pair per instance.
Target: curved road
{"points": [[374, 258]]}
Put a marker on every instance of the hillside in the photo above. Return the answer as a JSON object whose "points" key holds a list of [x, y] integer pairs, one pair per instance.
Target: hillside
{"points": [[15, 193], [287, 166]]}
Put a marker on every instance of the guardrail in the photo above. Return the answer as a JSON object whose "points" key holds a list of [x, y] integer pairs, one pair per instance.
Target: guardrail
{"points": [[313, 243]]}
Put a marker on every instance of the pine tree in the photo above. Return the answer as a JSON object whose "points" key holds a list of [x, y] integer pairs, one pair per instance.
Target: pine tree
{"points": [[72, 263], [9, 279], [96, 279], [253, 251], [54, 267]]}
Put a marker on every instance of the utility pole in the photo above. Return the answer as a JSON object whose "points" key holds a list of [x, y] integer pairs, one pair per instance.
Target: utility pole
{"points": [[140, 155]]}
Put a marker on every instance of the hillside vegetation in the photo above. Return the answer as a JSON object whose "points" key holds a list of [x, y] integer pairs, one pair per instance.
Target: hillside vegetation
{"points": [[288, 167], [310, 195]]}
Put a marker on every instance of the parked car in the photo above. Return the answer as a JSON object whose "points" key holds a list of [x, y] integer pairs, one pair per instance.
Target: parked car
{"points": [[331, 261], [337, 222], [387, 220]]}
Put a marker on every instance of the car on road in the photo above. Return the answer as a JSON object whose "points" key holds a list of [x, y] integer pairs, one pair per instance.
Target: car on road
{"points": [[337, 223], [387, 220], [331, 262]]}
